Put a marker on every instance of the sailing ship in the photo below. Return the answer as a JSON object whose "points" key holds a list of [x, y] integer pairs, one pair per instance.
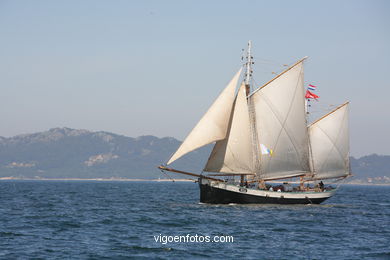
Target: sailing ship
{"points": [[262, 135]]}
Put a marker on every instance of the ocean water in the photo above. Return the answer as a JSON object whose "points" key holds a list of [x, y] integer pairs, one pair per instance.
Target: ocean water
{"points": [[122, 220]]}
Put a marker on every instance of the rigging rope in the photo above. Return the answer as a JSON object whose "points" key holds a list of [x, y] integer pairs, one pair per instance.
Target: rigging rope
{"points": [[167, 175]]}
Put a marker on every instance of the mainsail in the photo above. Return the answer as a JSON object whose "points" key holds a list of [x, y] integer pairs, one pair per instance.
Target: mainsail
{"points": [[213, 125], [329, 138], [234, 153], [281, 125]]}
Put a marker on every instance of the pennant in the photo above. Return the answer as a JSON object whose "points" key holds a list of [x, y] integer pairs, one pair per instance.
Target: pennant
{"points": [[311, 87], [265, 150], [311, 95]]}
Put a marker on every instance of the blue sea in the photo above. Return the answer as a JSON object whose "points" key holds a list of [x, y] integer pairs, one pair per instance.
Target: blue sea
{"points": [[122, 220]]}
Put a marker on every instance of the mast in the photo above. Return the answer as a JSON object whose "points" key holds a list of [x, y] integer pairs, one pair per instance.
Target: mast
{"points": [[311, 161], [248, 69], [251, 109]]}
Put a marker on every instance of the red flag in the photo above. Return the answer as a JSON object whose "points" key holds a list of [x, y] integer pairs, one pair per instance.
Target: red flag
{"points": [[311, 95]]}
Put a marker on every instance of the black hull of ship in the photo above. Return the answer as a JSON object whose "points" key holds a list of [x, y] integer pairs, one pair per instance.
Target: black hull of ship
{"points": [[213, 195]]}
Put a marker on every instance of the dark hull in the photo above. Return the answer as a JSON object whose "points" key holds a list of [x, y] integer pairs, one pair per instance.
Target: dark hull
{"points": [[214, 195]]}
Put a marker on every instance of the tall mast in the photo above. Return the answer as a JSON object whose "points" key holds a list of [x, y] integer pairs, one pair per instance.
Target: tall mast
{"points": [[251, 108], [248, 67]]}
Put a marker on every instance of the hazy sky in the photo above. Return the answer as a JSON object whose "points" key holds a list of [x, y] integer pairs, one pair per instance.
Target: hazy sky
{"points": [[154, 67]]}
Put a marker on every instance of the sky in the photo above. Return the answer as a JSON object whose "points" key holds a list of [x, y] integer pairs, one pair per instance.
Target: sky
{"points": [[154, 67]]}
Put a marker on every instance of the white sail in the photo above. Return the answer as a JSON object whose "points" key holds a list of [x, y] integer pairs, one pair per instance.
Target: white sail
{"points": [[329, 139], [213, 125], [281, 125], [234, 153]]}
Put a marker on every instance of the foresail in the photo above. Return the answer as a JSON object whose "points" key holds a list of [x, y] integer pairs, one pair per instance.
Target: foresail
{"points": [[234, 153], [329, 138], [281, 125], [213, 125]]}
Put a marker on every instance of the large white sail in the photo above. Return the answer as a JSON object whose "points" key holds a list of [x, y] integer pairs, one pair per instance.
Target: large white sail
{"points": [[329, 139], [281, 125], [234, 153], [213, 125]]}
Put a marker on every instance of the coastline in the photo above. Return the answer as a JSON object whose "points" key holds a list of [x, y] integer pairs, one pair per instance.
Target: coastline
{"points": [[145, 180], [93, 179]]}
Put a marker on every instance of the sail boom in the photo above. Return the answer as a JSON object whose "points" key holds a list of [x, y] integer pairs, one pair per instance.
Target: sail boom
{"points": [[230, 174], [280, 176], [347, 175], [225, 172], [163, 168]]}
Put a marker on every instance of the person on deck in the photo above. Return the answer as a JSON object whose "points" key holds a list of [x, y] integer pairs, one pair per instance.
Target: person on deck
{"points": [[321, 184]]}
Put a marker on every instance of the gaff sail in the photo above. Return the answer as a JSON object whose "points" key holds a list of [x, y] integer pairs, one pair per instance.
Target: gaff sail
{"points": [[329, 138], [281, 125]]}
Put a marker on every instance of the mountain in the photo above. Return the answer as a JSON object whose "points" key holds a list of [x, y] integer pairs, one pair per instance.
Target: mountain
{"points": [[371, 169], [71, 153]]}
